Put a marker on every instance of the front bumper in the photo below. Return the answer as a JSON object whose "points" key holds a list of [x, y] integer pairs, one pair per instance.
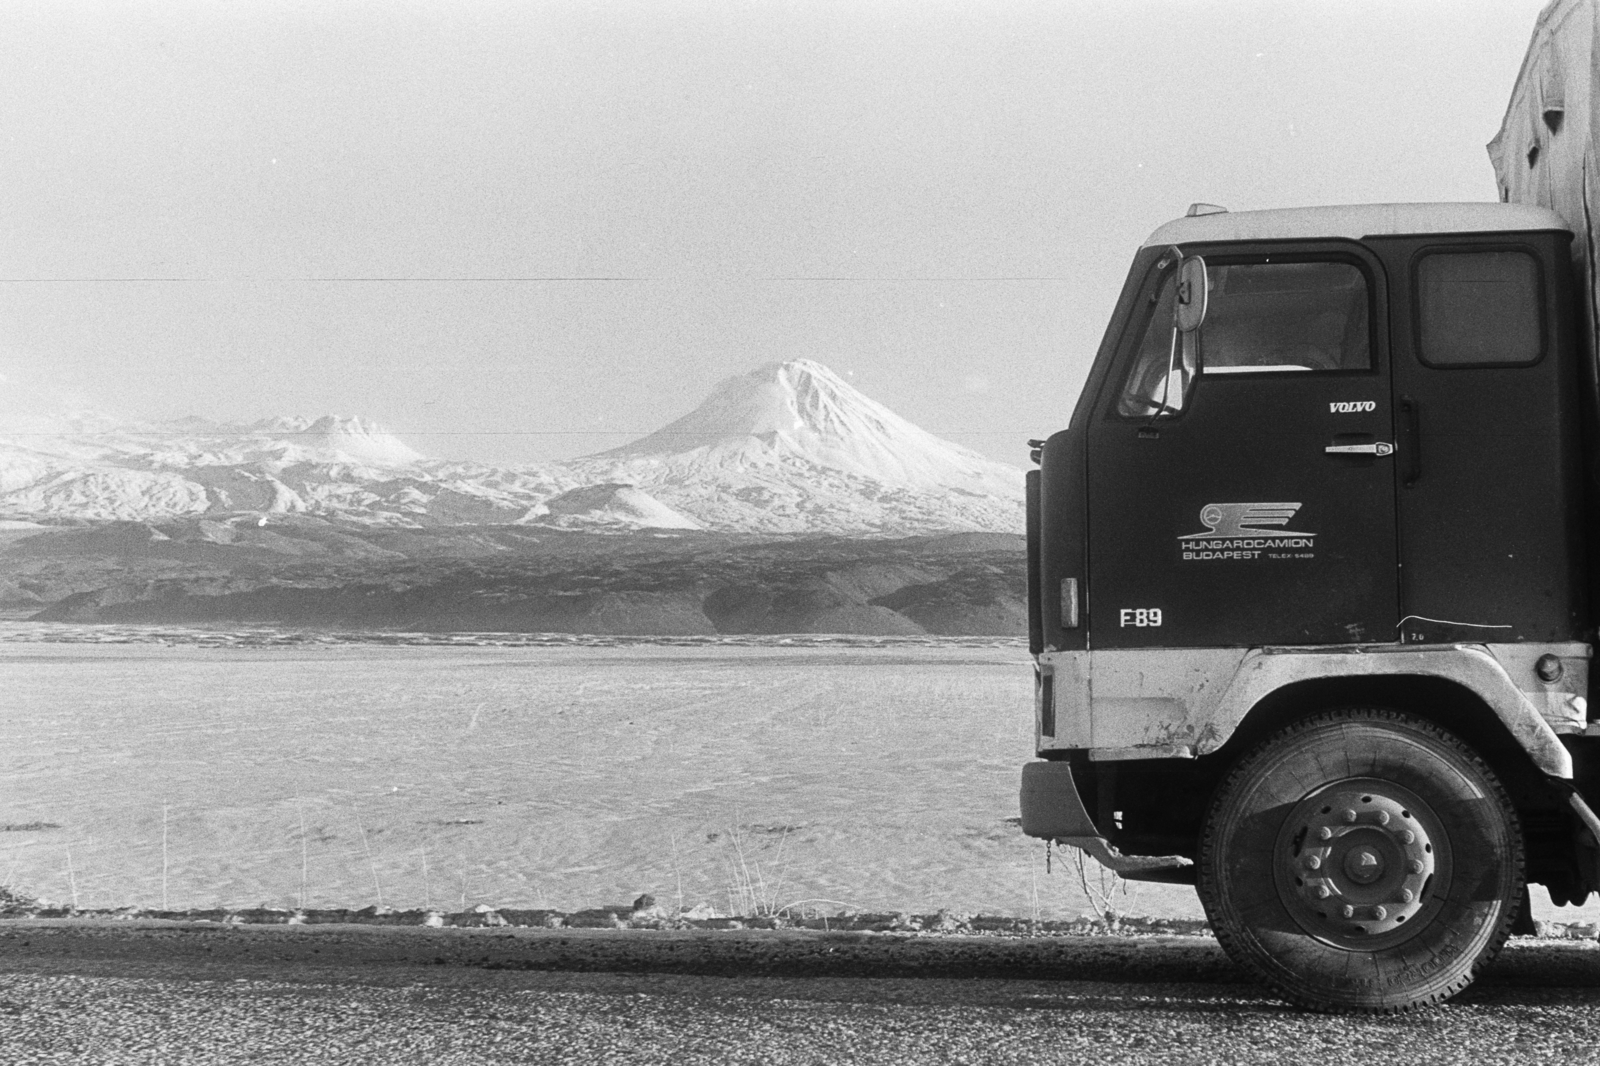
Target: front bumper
{"points": [[1053, 810]]}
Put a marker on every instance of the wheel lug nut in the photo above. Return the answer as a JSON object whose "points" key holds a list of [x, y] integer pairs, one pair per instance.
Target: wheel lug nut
{"points": [[1406, 895], [1380, 913], [1350, 816], [1408, 837], [1416, 866], [1349, 911], [1314, 863], [1383, 817], [1325, 833], [1323, 892]]}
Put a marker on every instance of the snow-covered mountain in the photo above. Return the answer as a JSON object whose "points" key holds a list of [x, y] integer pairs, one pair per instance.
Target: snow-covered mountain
{"points": [[790, 448], [612, 505], [339, 467]]}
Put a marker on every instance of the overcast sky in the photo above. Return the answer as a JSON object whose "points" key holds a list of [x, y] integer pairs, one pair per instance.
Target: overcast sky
{"points": [[414, 211]]}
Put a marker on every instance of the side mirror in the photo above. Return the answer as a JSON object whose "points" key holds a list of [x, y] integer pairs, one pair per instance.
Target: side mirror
{"points": [[1190, 309]]}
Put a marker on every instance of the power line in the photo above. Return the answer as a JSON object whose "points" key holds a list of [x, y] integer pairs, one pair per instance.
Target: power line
{"points": [[450, 433], [538, 280]]}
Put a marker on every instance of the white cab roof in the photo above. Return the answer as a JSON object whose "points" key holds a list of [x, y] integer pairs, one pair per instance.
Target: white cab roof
{"points": [[1356, 220]]}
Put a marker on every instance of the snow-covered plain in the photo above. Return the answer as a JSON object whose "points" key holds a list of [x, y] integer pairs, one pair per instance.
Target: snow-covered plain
{"points": [[877, 778], [867, 774]]}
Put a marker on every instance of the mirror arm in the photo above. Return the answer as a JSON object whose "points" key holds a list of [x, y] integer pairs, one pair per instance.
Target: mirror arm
{"points": [[1166, 382], [1190, 288]]}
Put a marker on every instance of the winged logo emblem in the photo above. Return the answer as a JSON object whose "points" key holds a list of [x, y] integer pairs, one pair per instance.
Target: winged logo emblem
{"points": [[1245, 520]]}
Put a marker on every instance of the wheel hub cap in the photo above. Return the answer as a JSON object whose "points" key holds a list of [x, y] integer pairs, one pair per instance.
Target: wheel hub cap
{"points": [[1363, 865], [1356, 859]]}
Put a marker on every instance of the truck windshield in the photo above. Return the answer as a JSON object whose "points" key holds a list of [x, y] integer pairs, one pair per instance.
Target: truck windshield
{"points": [[1263, 318]]}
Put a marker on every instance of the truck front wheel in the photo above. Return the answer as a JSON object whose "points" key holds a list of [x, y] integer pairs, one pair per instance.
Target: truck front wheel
{"points": [[1362, 860]]}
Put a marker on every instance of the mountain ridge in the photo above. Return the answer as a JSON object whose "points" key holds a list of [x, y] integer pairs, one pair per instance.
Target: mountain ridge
{"points": [[789, 448]]}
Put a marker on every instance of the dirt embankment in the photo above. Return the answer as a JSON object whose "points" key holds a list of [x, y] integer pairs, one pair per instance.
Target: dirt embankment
{"points": [[792, 952], [195, 947]]}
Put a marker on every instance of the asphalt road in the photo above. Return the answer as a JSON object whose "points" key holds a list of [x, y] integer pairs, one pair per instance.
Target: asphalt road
{"points": [[177, 994]]}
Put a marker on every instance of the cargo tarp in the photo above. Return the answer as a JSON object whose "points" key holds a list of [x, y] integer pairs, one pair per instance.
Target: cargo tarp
{"points": [[1545, 151]]}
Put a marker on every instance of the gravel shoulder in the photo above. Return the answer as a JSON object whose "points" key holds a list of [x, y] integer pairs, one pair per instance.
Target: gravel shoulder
{"points": [[179, 993]]}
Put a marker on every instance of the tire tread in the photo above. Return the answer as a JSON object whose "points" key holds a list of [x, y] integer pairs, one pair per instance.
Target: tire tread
{"points": [[1239, 953]]}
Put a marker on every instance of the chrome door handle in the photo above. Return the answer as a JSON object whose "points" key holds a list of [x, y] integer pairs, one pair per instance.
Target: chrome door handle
{"points": [[1380, 449]]}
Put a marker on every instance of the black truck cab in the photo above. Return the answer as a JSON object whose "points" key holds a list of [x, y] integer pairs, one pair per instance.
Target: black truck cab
{"points": [[1326, 489]]}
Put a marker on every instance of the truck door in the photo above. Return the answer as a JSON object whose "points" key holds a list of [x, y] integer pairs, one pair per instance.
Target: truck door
{"points": [[1486, 384], [1241, 479]]}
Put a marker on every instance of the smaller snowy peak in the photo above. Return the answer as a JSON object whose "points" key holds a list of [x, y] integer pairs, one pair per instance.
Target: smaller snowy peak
{"points": [[612, 505], [348, 467], [330, 439], [353, 439], [194, 441]]}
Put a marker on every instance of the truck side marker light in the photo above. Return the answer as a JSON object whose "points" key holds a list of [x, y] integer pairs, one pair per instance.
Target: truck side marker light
{"points": [[1047, 705], [1069, 603]]}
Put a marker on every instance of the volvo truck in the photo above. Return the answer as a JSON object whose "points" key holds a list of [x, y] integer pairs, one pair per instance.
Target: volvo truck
{"points": [[1310, 590], [1312, 567]]}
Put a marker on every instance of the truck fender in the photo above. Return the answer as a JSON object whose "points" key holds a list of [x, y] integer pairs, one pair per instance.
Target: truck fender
{"points": [[1265, 670]]}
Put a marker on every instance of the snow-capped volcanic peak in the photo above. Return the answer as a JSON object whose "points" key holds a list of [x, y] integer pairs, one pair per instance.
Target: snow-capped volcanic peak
{"points": [[801, 410], [793, 448]]}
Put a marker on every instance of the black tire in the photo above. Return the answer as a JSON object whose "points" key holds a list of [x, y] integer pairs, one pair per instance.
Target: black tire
{"points": [[1362, 861]]}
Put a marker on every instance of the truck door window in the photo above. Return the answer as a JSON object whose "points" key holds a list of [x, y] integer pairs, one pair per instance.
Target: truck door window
{"points": [[1267, 317], [1149, 389], [1479, 308]]}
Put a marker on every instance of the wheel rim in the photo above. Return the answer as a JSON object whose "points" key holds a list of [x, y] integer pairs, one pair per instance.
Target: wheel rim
{"points": [[1361, 864]]}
